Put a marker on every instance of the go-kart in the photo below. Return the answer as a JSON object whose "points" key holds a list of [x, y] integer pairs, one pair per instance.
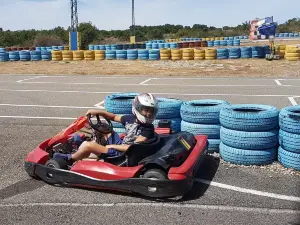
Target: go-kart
{"points": [[163, 166]]}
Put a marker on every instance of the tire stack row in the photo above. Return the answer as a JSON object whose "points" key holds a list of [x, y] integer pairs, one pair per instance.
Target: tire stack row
{"points": [[289, 137], [201, 117], [249, 134]]}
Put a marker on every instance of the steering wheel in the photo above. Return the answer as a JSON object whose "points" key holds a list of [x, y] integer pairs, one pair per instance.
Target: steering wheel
{"points": [[101, 127]]}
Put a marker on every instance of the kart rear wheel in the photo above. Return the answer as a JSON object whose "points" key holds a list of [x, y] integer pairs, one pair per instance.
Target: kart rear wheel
{"points": [[157, 174], [56, 163]]}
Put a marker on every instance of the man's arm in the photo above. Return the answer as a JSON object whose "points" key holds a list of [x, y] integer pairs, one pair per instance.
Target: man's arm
{"points": [[105, 114]]}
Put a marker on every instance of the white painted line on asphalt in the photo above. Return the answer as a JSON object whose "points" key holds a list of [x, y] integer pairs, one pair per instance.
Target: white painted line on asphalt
{"points": [[155, 93], [250, 191], [278, 82], [292, 100], [159, 205], [49, 106], [100, 105], [145, 81], [31, 78], [162, 84]]}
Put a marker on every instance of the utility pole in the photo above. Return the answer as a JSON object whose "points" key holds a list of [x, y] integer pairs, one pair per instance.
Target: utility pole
{"points": [[74, 16], [133, 20]]}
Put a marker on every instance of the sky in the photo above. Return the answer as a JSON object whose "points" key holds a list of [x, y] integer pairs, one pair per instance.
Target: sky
{"points": [[116, 14]]}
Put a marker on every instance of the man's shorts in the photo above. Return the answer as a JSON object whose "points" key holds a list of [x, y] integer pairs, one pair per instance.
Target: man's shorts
{"points": [[114, 139]]}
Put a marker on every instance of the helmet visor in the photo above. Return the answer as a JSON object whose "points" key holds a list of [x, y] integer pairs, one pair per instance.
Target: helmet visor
{"points": [[147, 111]]}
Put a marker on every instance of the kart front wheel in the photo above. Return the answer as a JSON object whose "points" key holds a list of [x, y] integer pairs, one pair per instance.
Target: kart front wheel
{"points": [[56, 163], [155, 174]]}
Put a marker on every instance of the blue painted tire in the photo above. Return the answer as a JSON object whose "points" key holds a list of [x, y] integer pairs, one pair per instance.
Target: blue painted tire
{"points": [[289, 159], [247, 156], [4, 57], [14, 56], [168, 108], [289, 141], [289, 119], [249, 117], [120, 103], [249, 140], [213, 145], [212, 131], [206, 111]]}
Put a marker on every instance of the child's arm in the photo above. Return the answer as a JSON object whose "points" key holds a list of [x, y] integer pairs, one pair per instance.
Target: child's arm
{"points": [[105, 114], [121, 148]]}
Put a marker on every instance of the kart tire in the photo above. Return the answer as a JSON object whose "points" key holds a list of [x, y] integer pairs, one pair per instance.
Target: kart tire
{"points": [[56, 163], [155, 174]]}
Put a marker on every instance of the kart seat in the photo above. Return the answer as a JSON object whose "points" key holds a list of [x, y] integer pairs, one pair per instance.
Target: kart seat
{"points": [[136, 152], [171, 147]]}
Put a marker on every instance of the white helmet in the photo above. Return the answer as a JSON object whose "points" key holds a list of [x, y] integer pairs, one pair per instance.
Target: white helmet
{"points": [[145, 102]]}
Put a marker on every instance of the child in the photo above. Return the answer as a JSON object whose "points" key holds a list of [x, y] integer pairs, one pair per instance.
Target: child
{"points": [[138, 128]]}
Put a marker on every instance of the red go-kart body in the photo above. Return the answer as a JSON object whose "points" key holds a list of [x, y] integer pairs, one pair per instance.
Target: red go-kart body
{"points": [[104, 175]]}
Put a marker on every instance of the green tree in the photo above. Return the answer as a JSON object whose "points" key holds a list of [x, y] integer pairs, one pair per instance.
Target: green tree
{"points": [[89, 33]]}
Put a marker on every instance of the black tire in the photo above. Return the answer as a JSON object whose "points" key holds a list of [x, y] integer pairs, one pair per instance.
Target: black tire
{"points": [[57, 163], [155, 174]]}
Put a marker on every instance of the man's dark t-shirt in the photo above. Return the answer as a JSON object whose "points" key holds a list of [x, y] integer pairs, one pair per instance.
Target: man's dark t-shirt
{"points": [[135, 129]]}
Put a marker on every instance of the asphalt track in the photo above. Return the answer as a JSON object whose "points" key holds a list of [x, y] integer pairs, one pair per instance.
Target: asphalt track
{"points": [[35, 107]]}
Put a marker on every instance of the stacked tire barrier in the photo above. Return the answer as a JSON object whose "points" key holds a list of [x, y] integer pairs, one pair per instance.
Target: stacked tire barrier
{"points": [[46, 55], [199, 54], [176, 54], [89, 55], [258, 52], [132, 54], [280, 50], [202, 117], [234, 53], [246, 52], [165, 54], [292, 53], [222, 53], [143, 54], [210, 53], [236, 42], [78, 55], [249, 134], [154, 54], [57, 55], [169, 109], [14, 56], [4, 56], [121, 54], [289, 137], [110, 54], [24, 55], [188, 54], [35, 55], [67, 55], [99, 55]]}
